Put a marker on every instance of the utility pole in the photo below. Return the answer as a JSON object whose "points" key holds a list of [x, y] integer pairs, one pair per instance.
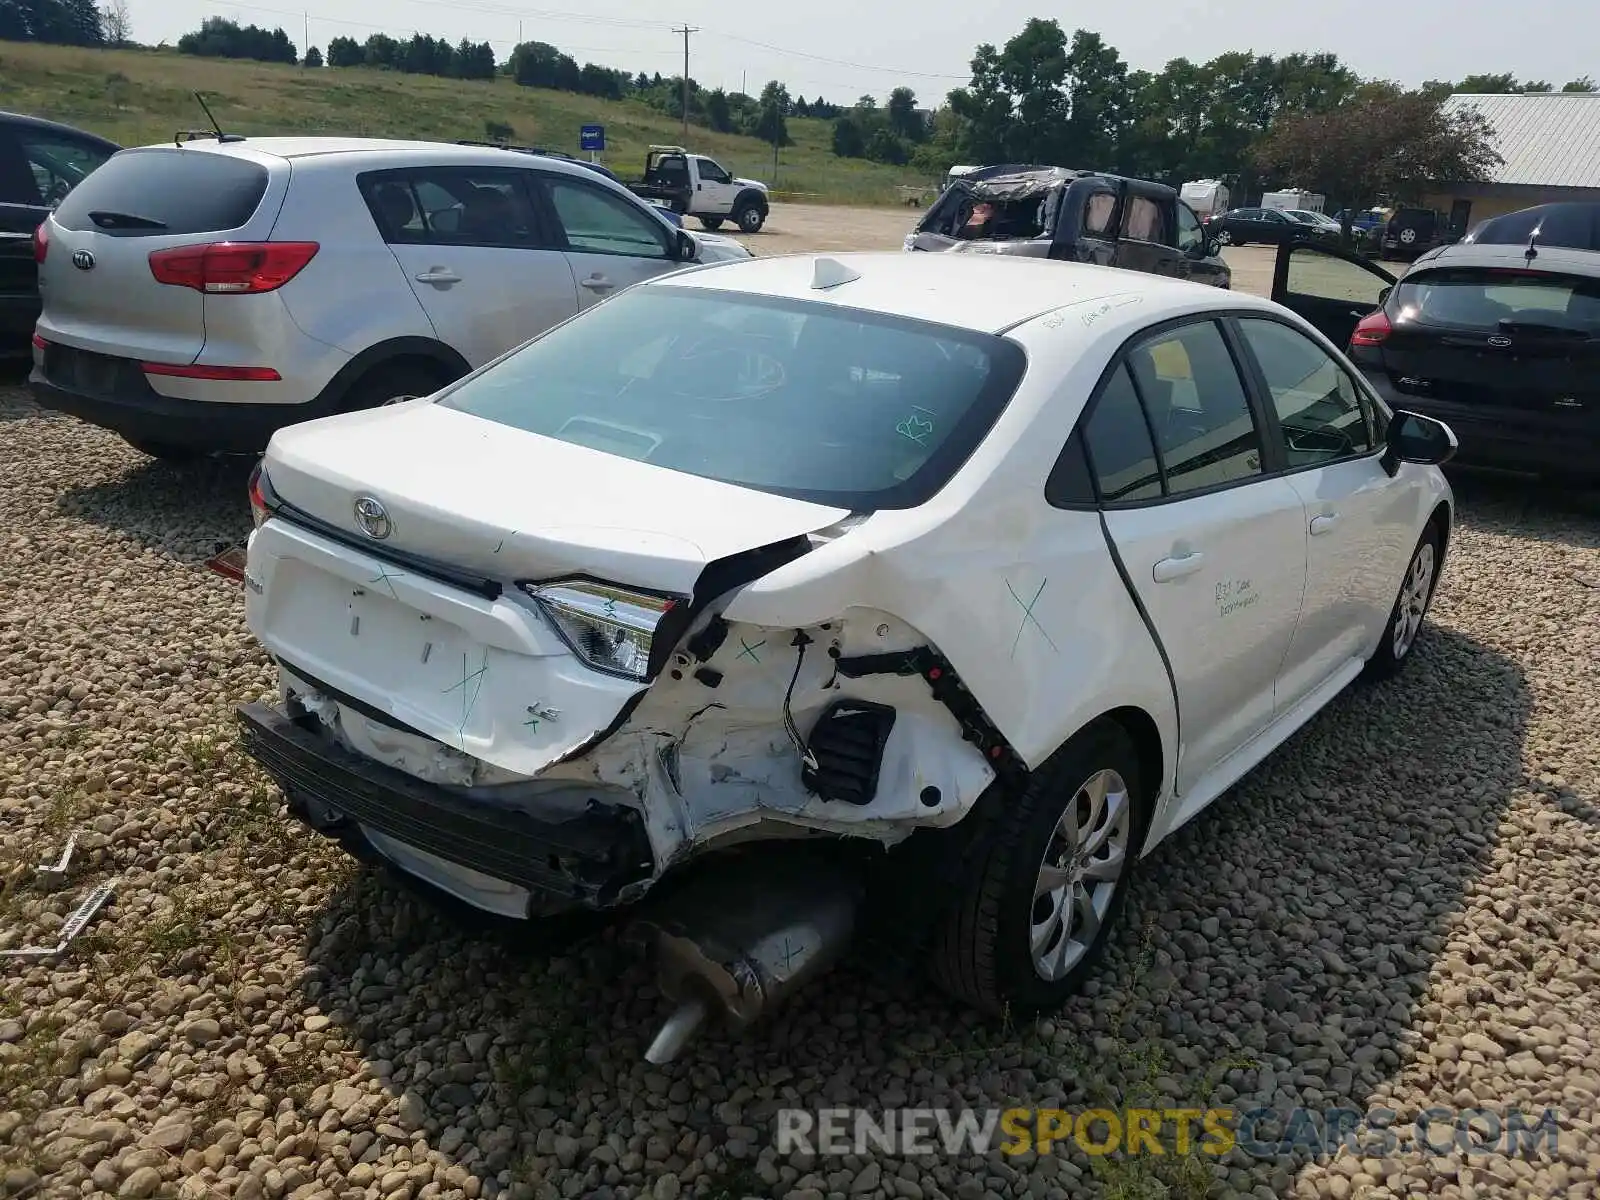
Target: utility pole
{"points": [[519, 31], [305, 46], [686, 30]]}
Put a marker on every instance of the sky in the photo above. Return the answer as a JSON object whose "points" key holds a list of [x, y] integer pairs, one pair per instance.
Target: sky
{"points": [[842, 49]]}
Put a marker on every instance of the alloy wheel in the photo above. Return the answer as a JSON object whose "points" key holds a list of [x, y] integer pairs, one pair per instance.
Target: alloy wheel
{"points": [[1079, 874], [1413, 602]]}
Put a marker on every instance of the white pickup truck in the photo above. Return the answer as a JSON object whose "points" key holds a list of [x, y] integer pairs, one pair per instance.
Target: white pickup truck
{"points": [[697, 186]]}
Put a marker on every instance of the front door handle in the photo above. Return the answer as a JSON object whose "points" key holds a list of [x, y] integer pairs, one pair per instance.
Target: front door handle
{"points": [[598, 283], [1324, 524], [1169, 569], [438, 275]]}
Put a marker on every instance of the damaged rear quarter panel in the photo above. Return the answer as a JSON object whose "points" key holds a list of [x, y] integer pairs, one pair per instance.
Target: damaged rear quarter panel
{"points": [[1023, 599]]}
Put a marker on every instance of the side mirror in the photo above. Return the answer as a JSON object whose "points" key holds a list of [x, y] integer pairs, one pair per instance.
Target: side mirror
{"points": [[684, 247], [1414, 438]]}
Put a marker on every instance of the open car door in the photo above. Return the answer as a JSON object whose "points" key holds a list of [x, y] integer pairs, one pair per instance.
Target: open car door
{"points": [[1333, 289]]}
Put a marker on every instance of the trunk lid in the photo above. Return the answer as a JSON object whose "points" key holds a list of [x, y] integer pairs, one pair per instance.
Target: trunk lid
{"points": [[466, 659], [1519, 340], [96, 283], [502, 504]]}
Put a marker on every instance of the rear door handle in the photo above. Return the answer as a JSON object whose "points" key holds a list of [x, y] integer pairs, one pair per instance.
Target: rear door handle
{"points": [[598, 283], [1169, 569], [438, 275], [1324, 524]]}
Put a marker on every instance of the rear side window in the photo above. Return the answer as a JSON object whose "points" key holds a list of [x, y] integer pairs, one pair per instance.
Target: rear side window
{"points": [[58, 163], [162, 192], [1121, 454], [1487, 299], [1142, 221], [1098, 212], [454, 206]]}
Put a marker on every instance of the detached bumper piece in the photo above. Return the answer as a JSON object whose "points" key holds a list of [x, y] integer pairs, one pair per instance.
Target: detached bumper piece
{"points": [[586, 859]]}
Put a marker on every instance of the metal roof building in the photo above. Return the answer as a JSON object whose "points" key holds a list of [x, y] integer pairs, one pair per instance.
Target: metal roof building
{"points": [[1550, 144]]}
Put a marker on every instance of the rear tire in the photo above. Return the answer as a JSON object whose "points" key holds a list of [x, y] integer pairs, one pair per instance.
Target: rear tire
{"points": [[165, 451], [711, 223], [1410, 608], [393, 382], [1017, 941]]}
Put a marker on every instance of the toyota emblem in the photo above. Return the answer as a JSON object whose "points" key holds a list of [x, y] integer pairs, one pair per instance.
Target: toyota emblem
{"points": [[373, 517], [1500, 340], [83, 260]]}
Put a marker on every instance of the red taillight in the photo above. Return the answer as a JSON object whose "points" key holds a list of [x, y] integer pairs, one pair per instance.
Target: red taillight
{"points": [[206, 371], [41, 242], [38, 342], [232, 268], [259, 510], [1373, 330]]}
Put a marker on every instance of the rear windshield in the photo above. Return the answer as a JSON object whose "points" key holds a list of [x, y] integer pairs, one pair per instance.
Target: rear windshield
{"points": [[161, 192], [802, 399], [1575, 225], [1484, 298]]}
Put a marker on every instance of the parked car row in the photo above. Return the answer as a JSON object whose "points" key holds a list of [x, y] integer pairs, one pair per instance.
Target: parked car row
{"points": [[199, 296]]}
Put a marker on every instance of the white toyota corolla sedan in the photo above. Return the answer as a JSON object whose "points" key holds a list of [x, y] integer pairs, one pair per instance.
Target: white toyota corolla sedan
{"points": [[925, 592]]}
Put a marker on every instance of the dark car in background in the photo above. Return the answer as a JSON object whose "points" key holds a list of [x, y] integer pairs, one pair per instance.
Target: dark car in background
{"points": [[1498, 336], [1270, 226], [40, 162], [1411, 232]]}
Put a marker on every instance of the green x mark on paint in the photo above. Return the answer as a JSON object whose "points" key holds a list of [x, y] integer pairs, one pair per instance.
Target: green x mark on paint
{"points": [[1028, 618], [749, 651]]}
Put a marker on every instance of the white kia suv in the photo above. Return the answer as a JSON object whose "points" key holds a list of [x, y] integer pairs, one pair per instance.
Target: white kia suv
{"points": [[200, 295]]}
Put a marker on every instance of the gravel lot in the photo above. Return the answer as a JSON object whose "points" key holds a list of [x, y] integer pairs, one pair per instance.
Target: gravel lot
{"points": [[1399, 910]]}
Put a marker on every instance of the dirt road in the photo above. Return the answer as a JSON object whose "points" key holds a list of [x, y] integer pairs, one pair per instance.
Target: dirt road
{"points": [[799, 228]]}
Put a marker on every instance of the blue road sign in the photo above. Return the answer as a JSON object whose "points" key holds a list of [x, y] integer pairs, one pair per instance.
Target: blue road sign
{"points": [[592, 137]]}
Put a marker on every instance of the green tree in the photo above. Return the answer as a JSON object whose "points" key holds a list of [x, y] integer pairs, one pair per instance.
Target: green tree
{"points": [[344, 52], [904, 119], [771, 124], [718, 114], [1582, 84], [313, 57], [848, 141]]}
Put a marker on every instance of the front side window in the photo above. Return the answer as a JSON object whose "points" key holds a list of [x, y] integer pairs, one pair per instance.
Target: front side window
{"points": [[1191, 388], [711, 172], [793, 397], [453, 206], [1190, 234], [1319, 410], [1329, 277], [597, 222]]}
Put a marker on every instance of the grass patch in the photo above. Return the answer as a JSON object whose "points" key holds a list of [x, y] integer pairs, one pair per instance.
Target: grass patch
{"points": [[142, 96]]}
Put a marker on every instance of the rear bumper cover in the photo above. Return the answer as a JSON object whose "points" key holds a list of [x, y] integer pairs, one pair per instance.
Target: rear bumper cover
{"points": [[586, 860], [148, 416]]}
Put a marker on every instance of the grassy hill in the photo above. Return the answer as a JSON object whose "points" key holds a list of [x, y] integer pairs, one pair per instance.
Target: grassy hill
{"points": [[141, 96]]}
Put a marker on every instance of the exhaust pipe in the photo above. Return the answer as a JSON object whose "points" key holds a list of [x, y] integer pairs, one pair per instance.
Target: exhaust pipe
{"points": [[743, 936]]}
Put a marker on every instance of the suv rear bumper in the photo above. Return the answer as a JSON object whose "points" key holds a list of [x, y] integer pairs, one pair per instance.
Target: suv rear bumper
{"points": [[189, 424], [585, 860]]}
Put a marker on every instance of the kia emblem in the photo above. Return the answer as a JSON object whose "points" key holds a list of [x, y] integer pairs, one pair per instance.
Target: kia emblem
{"points": [[83, 260], [1500, 341]]}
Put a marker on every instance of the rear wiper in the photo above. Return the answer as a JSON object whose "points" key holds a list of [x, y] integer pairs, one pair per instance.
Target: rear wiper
{"points": [[118, 220]]}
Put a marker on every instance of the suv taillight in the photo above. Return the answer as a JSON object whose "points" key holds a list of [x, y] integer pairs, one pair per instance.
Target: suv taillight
{"points": [[1373, 330], [41, 242], [232, 268]]}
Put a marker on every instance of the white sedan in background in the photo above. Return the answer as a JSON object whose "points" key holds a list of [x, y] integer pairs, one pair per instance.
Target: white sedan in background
{"points": [[976, 575]]}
